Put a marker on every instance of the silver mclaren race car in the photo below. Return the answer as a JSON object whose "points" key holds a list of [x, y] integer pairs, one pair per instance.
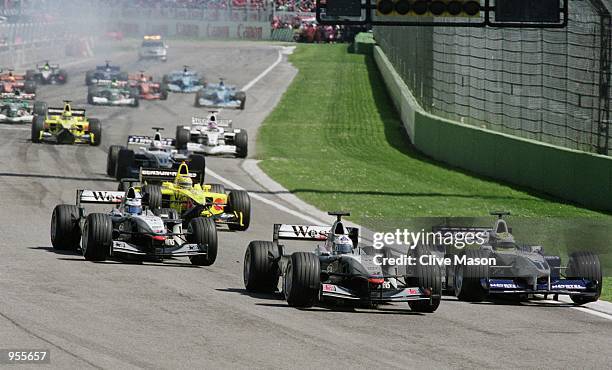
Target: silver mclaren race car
{"points": [[131, 230], [338, 271], [516, 270], [212, 136]]}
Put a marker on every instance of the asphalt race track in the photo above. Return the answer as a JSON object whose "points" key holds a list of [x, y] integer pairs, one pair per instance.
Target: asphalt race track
{"points": [[173, 315]]}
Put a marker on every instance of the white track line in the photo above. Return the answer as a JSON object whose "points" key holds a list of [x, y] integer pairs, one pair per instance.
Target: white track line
{"points": [[264, 73], [267, 201]]}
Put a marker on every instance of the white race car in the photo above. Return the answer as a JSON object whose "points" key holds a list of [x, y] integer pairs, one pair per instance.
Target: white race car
{"points": [[212, 136]]}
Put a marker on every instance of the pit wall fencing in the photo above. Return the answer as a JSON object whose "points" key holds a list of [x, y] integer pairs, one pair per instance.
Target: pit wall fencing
{"points": [[576, 176]]}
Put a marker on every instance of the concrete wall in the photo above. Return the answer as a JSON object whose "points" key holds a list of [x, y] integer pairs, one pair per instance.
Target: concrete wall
{"points": [[573, 175]]}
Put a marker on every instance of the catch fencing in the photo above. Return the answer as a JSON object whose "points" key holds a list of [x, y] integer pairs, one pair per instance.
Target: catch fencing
{"points": [[550, 85]]}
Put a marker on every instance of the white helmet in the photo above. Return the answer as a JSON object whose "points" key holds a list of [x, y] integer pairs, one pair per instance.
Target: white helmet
{"points": [[341, 244], [133, 203], [156, 144]]}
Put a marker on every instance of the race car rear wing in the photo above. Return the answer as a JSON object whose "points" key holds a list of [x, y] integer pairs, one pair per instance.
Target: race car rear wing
{"points": [[309, 233], [20, 95], [98, 197], [199, 121], [60, 111], [159, 175], [147, 140]]}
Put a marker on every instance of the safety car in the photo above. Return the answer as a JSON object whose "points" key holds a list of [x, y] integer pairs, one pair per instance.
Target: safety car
{"points": [[153, 47]]}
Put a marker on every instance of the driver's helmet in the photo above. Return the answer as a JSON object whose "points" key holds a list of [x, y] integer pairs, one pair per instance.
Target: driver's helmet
{"points": [[46, 66], [156, 144], [67, 113], [133, 205], [184, 182], [114, 83], [212, 124], [342, 244], [221, 83]]}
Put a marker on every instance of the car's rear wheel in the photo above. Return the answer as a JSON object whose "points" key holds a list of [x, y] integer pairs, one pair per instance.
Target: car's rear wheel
{"points": [[241, 95], [241, 140], [65, 230], [125, 162], [238, 201], [40, 108], [97, 237], [468, 286], [428, 276], [302, 279], [111, 159], [217, 188], [29, 87], [152, 194], [62, 76], [585, 265], [95, 129], [260, 271], [202, 230], [183, 135], [38, 127]]}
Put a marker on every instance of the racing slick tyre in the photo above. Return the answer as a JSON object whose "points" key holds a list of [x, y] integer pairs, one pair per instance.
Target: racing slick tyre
{"points": [[217, 188], [89, 76], [62, 76], [241, 95], [136, 103], [90, 100], [239, 201], [260, 271], [65, 230], [40, 108], [95, 129], [197, 163], [199, 95], [30, 75], [97, 237], [29, 87], [153, 196], [302, 279], [427, 277], [165, 79], [38, 126], [111, 159], [125, 161], [163, 92], [585, 265], [166, 213], [241, 141], [183, 135], [467, 277], [202, 230]]}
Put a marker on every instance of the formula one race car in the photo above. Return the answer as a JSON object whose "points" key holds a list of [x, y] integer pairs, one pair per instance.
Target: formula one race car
{"points": [[153, 47], [220, 96], [153, 152], [147, 89], [115, 93], [515, 270], [212, 136], [11, 82], [131, 230], [49, 74], [66, 126], [185, 81], [19, 108], [105, 72], [186, 197], [338, 270]]}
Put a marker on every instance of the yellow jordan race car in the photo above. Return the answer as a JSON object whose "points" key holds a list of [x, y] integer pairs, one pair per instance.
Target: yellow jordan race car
{"points": [[175, 189], [66, 126]]}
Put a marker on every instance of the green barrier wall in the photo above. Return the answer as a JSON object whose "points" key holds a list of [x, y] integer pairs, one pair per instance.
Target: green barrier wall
{"points": [[572, 175]]}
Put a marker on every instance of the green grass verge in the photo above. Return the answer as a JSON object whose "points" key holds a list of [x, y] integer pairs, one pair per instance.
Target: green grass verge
{"points": [[336, 141], [606, 292]]}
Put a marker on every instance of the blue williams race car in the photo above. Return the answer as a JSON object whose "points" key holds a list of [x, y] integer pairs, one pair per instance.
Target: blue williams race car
{"points": [[185, 81], [220, 96], [106, 72]]}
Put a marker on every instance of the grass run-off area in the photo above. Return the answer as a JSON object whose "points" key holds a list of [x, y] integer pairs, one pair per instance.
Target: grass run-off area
{"points": [[336, 141]]}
